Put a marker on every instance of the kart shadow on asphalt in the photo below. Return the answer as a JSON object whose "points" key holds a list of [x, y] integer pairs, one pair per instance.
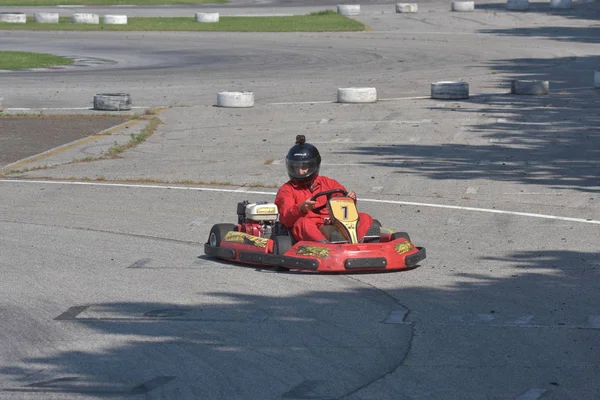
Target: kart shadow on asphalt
{"points": [[258, 268]]}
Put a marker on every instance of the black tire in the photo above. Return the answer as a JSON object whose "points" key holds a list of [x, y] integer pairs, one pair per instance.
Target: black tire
{"points": [[279, 229], [398, 235], [112, 101], [218, 232], [281, 244]]}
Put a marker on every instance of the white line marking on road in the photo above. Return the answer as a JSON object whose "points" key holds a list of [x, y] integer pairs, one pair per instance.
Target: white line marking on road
{"points": [[487, 210], [471, 190], [532, 394], [398, 202]]}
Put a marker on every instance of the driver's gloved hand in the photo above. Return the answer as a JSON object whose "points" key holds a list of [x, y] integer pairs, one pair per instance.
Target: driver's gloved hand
{"points": [[307, 206]]}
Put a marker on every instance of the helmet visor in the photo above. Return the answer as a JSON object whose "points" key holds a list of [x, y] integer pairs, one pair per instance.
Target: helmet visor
{"points": [[302, 169]]}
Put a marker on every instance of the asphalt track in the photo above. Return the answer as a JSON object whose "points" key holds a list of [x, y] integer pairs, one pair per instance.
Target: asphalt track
{"points": [[106, 294]]}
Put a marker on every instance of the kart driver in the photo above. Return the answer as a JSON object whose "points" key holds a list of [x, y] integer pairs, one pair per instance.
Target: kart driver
{"points": [[296, 210]]}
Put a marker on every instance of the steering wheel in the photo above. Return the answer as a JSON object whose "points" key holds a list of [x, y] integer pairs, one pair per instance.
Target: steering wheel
{"points": [[328, 194]]}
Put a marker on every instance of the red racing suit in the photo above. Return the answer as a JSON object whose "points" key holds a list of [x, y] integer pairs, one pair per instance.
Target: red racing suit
{"points": [[306, 226]]}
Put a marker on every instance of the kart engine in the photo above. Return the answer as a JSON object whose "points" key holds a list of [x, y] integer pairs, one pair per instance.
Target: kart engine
{"points": [[257, 218]]}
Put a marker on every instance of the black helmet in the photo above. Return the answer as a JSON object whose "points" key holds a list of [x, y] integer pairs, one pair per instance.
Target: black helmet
{"points": [[303, 156]]}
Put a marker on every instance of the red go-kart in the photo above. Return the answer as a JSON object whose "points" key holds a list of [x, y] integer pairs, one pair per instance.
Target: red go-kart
{"points": [[260, 239]]}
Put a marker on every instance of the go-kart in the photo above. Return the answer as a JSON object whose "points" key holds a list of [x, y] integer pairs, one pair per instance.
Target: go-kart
{"points": [[260, 239]]}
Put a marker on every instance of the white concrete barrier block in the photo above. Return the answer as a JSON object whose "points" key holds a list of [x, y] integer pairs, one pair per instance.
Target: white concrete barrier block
{"points": [[13, 18], [115, 19], [46, 17], [348, 10], [597, 79], [235, 99], [357, 95], [450, 90], [517, 5], [85, 18], [207, 17], [407, 7], [532, 88], [112, 102], [463, 6], [561, 4]]}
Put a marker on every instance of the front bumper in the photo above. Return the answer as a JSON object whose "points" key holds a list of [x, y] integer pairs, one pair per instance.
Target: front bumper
{"points": [[325, 257]]}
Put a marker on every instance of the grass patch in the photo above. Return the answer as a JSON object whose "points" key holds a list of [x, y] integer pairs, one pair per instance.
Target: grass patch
{"points": [[325, 21], [136, 139], [13, 60], [27, 3]]}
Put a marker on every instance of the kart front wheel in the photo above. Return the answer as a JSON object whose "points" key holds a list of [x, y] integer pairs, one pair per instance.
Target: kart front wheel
{"points": [[218, 232]]}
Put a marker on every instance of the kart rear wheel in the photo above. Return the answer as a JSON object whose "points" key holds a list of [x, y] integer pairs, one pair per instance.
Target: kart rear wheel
{"points": [[398, 235], [281, 244], [218, 232]]}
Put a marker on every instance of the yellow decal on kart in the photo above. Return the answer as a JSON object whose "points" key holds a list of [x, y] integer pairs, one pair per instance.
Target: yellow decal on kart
{"points": [[267, 210], [403, 247], [241, 237], [313, 251]]}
